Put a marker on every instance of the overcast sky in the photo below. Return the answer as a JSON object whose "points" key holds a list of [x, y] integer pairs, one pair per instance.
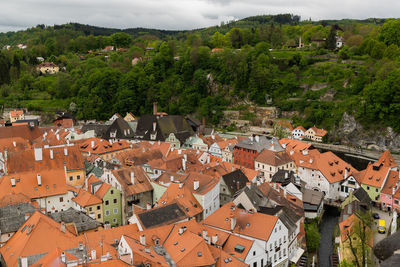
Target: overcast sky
{"points": [[179, 14]]}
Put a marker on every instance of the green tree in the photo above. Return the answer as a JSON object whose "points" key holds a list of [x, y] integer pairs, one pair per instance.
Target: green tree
{"points": [[330, 42], [313, 236], [121, 39], [390, 32]]}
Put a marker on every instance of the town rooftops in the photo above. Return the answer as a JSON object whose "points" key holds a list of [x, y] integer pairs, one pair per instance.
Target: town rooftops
{"points": [[259, 143], [256, 225], [391, 185], [85, 199], [24, 131], [319, 132], [13, 216], [312, 199], [133, 180], [295, 145], [81, 221], [235, 180], [273, 158], [238, 247], [47, 65], [362, 195], [98, 146], [16, 113]]}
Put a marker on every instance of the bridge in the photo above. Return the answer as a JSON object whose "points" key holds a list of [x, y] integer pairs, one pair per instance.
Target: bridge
{"points": [[361, 153]]}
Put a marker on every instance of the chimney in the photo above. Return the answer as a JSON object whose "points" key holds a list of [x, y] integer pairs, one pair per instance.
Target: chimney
{"points": [[132, 177], [237, 185], [63, 258], [181, 230], [27, 215], [172, 178], [196, 185], [63, 228], [258, 183], [286, 175], [345, 172], [214, 239], [311, 160], [393, 190], [257, 138], [204, 122], [92, 144], [180, 185], [58, 137], [39, 180], [148, 206], [143, 240], [38, 154], [183, 164], [205, 234], [233, 222], [248, 184], [14, 143], [305, 152], [291, 152], [12, 181], [154, 108], [65, 151], [93, 254], [213, 137], [154, 126], [51, 154]]}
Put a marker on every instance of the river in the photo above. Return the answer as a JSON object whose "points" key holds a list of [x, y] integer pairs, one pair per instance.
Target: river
{"points": [[329, 221]]}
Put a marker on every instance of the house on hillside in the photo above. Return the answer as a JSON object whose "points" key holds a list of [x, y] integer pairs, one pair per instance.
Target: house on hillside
{"points": [[298, 133], [16, 115], [48, 68], [315, 134]]}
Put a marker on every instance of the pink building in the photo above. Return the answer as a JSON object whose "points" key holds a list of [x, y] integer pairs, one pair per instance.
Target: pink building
{"points": [[389, 191]]}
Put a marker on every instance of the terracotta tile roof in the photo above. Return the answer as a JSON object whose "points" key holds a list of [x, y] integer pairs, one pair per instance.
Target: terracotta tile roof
{"points": [[256, 225], [300, 128], [109, 236], [16, 113], [235, 240], [138, 155], [108, 263], [25, 160], [52, 138], [144, 254], [295, 145], [250, 173], [386, 160], [391, 182], [225, 259], [375, 175], [39, 234], [141, 180], [85, 199], [14, 144], [184, 197], [53, 258], [162, 146], [228, 142], [273, 158], [188, 249], [319, 132], [53, 183], [24, 131], [98, 146], [209, 140], [13, 199], [102, 191]]}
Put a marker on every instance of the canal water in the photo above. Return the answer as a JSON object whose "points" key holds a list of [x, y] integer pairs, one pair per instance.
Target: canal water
{"points": [[329, 221]]}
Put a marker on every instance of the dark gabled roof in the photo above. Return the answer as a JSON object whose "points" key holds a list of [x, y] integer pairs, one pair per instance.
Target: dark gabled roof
{"points": [[145, 127], [122, 128], [288, 217], [160, 216], [82, 221], [64, 115], [254, 194], [284, 177], [235, 181], [99, 129], [362, 195], [386, 247], [175, 124], [12, 217]]}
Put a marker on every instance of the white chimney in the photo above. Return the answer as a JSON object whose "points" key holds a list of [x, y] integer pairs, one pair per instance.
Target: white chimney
{"points": [[65, 151], [148, 206], [143, 240], [180, 185], [179, 151], [181, 230], [251, 138], [39, 180], [132, 177], [24, 261], [38, 154], [58, 137], [14, 143], [196, 185], [154, 126], [12, 181], [62, 227], [205, 233], [233, 223], [305, 152], [257, 138], [258, 183], [345, 172], [291, 152], [214, 239], [393, 190], [183, 164], [27, 215], [286, 175], [172, 178], [92, 144], [51, 154], [213, 137], [311, 160], [63, 258], [93, 254]]}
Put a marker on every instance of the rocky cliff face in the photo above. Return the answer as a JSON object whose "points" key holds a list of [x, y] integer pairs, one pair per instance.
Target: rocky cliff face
{"points": [[352, 132]]}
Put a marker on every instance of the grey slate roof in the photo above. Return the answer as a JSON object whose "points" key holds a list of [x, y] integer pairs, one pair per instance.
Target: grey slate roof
{"points": [[164, 215], [362, 195], [263, 142], [235, 181], [82, 221], [391, 261], [12, 217], [288, 217], [99, 129], [284, 177], [91, 168], [122, 128]]}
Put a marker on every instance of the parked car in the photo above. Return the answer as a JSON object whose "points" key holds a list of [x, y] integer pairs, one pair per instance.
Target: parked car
{"points": [[376, 216], [381, 227]]}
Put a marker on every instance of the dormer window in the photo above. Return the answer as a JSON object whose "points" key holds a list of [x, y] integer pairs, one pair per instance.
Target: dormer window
{"points": [[113, 134]]}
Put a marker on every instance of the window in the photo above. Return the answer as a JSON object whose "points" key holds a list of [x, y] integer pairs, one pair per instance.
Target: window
{"points": [[71, 178], [376, 190], [107, 212], [107, 202], [90, 209], [114, 220], [255, 264], [115, 211], [367, 187], [396, 202], [115, 200], [284, 252], [112, 192], [98, 207], [98, 216], [78, 177], [270, 247], [254, 253], [61, 199]]}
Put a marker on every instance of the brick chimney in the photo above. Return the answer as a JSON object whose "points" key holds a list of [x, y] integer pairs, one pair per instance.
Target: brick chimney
{"points": [[154, 108]]}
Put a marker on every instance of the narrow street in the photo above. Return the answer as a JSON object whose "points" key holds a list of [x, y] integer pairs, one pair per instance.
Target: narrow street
{"points": [[328, 223]]}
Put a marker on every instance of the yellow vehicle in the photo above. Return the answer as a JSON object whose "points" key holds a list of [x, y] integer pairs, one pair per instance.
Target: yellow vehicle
{"points": [[381, 227]]}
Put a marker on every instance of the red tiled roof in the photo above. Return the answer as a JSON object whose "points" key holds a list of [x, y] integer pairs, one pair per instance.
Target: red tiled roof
{"points": [[101, 146], [273, 158], [141, 180], [85, 199]]}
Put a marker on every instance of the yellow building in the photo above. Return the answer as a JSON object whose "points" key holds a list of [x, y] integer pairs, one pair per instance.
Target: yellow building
{"points": [[90, 204], [16, 115]]}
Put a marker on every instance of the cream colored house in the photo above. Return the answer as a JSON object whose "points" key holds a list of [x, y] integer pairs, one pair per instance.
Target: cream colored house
{"points": [[48, 68]]}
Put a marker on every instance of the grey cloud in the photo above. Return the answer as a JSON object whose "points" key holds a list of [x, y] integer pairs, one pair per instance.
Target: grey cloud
{"points": [[178, 14]]}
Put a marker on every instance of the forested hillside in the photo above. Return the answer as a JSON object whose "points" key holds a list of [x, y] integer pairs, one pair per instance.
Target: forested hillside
{"points": [[254, 61]]}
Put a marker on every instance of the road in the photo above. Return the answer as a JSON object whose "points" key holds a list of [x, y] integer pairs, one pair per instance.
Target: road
{"points": [[377, 236]]}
